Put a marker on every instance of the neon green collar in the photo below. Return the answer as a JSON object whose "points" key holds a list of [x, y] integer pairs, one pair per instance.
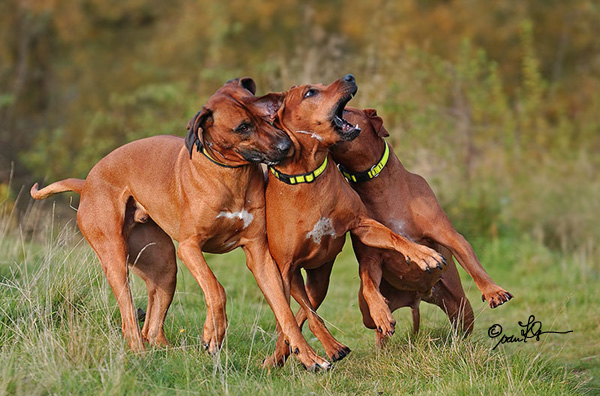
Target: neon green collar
{"points": [[360, 177], [302, 178]]}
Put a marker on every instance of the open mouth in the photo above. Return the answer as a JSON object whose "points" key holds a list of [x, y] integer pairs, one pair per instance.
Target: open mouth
{"points": [[346, 130]]}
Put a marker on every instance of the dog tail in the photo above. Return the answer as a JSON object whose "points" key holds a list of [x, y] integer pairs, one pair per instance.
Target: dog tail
{"points": [[72, 184]]}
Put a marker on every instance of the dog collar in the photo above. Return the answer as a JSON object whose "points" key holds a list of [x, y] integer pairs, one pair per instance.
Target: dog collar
{"points": [[373, 172], [200, 147], [302, 178]]}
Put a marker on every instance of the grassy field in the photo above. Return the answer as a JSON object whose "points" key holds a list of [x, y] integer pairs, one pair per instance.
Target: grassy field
{"points": [[60, 329]]}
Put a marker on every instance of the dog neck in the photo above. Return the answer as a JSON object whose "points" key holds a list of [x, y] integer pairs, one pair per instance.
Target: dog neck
{"points": [[308, 155], [369, 172]]}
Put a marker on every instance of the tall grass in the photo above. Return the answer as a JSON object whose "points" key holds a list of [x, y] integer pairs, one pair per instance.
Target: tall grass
{"points": [[60, 330]]}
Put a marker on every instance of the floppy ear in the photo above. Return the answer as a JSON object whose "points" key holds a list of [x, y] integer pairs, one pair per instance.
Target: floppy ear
{"points": [[376, 122], [249, 84], [195, 128], [269, 105]]}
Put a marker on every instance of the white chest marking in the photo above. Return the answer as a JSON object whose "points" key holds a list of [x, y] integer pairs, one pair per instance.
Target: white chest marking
{"points": [[399, 227], [247, 217], [322, 228], [312, 135]]}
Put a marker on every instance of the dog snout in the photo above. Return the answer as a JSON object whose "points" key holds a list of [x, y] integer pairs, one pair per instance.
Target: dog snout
{"points": [[283, 145]]}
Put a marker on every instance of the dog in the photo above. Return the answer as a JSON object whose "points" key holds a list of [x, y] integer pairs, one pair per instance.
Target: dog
{"points": [[205, 191], [310, 207], [404, 202]]}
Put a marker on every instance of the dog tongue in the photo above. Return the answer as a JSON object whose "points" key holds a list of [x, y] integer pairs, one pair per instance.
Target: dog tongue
{"points": [[344, 125], [339, 122]]}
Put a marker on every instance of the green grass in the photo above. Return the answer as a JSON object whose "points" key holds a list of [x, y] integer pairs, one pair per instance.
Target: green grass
{"points": [[60, 330]]}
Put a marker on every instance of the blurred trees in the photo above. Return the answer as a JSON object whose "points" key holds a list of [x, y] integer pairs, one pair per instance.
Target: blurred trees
{"points": [[496, 103]]}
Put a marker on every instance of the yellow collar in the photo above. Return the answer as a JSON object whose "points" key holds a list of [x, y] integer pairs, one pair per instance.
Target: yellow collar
{"points": [[302, 178], [369, 174]]}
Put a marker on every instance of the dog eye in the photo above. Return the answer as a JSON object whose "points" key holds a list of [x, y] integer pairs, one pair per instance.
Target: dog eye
{"points": [[244, 127], [310, 92]]}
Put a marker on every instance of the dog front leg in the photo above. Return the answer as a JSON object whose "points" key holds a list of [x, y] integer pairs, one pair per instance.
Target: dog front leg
{"points": [[374, 234], [369, 269], [277, 294], [310, 298], [190, 253]]}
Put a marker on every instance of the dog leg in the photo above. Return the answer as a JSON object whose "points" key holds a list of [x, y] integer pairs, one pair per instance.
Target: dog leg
{"points": [[334, 350], [289, 337], [416, 316], [369, 268], [398, 299], [448, 294], [462, 250], [215, 325], [152, 257], [105, 235], [310, 298], [282, 347], [374, 234]]}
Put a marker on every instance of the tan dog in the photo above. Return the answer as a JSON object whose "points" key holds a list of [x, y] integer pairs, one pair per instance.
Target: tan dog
{"points": [[310, 207], [213, 202], [404, 202]]}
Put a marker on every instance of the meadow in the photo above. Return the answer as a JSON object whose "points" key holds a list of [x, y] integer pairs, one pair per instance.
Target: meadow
{"points": [[494, 103], [60, 328]]}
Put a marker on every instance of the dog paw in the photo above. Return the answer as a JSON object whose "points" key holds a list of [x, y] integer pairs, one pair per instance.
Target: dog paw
{"points": [[426, 258], [336, 351], [383, 319], [497, 297], [275, 360], [213, 334], [380, 339], [317, 363], [212, 346], [340, 354]]}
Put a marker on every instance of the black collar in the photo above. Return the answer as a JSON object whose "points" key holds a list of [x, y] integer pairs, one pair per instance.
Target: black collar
{"points": [[200, 147]]}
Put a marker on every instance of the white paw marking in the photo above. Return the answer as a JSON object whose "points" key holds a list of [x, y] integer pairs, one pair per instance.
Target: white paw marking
{"points": [[322, 228], [247, 217]]}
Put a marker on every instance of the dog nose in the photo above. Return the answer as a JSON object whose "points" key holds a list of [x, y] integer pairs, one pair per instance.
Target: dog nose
{"points": [[283, 145], [349, 78]]}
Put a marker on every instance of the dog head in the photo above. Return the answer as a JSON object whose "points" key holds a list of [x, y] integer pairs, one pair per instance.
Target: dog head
{"points": [[316, 112], [236, 127], [364, 150], [367, 120]]}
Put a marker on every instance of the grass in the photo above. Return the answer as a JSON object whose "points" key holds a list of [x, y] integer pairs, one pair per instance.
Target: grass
{"points": [[60, 330]]}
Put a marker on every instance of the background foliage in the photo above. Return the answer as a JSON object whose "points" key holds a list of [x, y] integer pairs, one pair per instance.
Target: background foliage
{"points": [[494, 102]]}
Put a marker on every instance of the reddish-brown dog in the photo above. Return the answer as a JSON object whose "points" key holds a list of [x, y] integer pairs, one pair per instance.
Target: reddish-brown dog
{"points": [[404, 202], [310, 206], [213, 202]]}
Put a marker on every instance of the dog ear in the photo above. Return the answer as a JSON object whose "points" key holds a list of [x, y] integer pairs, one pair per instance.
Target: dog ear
{"points": [[269, 105], [245, 82], [249, 84], [376, 122], [195, 128]]}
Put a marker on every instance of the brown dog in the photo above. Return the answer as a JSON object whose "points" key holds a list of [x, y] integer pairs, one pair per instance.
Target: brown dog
{"points": [[404, 202], [213, 202], [310, 206]]}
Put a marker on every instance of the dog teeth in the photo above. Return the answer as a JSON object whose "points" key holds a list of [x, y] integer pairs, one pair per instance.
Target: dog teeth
{"points": [[356, 126]]}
